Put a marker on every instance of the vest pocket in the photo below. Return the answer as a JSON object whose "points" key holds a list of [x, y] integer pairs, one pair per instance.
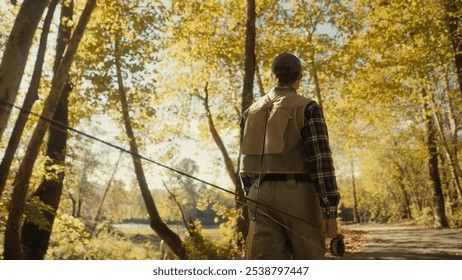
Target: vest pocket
{"points": [[254, 132]]}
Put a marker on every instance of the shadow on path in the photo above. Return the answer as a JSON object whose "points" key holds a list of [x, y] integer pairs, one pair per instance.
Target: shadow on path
{"points": [[395, 242]]}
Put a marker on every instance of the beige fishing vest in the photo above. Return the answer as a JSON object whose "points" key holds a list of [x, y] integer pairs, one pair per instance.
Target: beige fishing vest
{"points": [[282, 112]]}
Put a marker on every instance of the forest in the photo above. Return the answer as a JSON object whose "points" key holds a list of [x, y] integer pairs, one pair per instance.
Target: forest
{"points": [[121, 112]]}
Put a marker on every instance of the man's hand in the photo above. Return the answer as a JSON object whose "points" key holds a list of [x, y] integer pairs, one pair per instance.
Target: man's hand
{"points": [[331, 228]]}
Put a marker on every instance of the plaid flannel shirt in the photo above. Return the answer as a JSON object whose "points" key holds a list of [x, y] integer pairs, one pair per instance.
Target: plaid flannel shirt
{"points": [[319, 159]]}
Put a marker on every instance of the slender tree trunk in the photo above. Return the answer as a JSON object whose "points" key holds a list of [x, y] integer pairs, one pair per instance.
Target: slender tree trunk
{"points": [[247, 99], [74, 204], [106, 191], [435, 180], [417, 201], [187, 221], [79, 207], [36, 240], [456, 172], [317, 87], [13, 243], [452, 159], [455, 35], [81, 187], [451, 200], [259, 81], [15, 55], [242, 224], [355, 201], [164, 232], [313, 69], [31, 97], [249, 63], [219, 142], [407, 202]]}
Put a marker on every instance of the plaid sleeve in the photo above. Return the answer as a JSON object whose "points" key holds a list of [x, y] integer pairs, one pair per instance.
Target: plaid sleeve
{"points": [[319, 159]]}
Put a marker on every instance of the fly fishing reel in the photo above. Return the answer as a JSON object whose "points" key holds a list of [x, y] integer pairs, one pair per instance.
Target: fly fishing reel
{"points": [[337, 246]]}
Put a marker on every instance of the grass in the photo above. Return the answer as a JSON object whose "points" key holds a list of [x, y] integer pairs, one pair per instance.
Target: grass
{"points": [[142, 233]]}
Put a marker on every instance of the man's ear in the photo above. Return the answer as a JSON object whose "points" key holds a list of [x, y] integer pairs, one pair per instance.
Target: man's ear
{"points": [[273, 77]]}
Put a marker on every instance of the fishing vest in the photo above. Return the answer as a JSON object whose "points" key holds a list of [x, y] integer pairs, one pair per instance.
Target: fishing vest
{"points": [[275, 122]]}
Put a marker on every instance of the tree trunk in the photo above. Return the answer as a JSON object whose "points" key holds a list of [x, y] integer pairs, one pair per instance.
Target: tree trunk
{"points": [[312, 56], [219, 142], [31, 97], [247, 99], [455, 35], [249, 63], [100, 207], [317, 87], [450, 156], [435, 180], [79, 207], [454, 138], [74, 204], [15, 55], [407, 202], [13, 244], [355, 201], [164, 232], [35, 240], [259, 81]]}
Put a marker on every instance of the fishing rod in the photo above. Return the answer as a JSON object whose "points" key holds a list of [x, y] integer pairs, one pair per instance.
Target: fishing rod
{"points": [[182, 173], [337, 246]]}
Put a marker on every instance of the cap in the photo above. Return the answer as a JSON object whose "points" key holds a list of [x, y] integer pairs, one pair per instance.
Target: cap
{"points": [[286, 63]]}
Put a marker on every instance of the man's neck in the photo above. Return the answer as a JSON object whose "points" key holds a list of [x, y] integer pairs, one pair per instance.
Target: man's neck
{"points": [[285, 86]]}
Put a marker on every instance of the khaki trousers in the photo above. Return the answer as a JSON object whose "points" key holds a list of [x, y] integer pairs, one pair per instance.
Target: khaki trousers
{"points": [[273, 235]]}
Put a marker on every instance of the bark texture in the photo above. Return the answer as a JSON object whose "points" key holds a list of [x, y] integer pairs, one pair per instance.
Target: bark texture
{"points": [[31, 97], [15, 55], [441, 220]]}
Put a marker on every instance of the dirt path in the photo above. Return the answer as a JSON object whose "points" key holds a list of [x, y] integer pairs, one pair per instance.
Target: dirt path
{"points": [[396, 242]]}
